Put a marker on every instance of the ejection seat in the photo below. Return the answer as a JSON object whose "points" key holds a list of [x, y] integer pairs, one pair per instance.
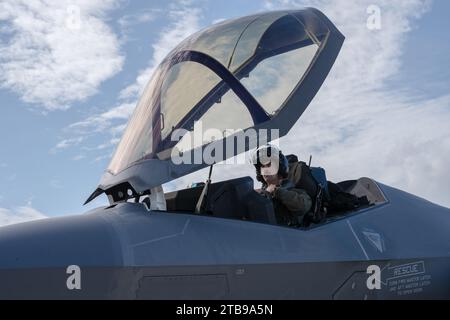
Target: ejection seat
{"points": [[233, 199], [237, 199]]}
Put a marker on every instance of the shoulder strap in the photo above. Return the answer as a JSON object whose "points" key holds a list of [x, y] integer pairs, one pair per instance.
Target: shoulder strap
{"points": [[307, 181]]}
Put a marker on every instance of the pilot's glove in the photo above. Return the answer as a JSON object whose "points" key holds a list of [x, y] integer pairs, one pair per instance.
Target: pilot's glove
{"points": [[266, 194]]}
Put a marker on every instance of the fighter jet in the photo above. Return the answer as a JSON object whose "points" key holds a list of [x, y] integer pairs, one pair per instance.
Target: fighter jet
{"points": [[257, 73]]}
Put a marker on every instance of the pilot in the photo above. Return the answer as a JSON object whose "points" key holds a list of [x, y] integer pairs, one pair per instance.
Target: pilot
{"points": [[290, 204]]}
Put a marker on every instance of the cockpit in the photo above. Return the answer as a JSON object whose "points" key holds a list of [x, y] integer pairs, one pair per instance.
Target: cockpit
{"points": [[237, 199]]}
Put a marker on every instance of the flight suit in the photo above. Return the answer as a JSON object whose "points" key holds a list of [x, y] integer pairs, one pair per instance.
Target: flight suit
{"points": [[290, 204]]}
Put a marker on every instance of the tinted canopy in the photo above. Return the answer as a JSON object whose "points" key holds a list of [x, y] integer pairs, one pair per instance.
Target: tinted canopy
{"points": [[259, 71]]}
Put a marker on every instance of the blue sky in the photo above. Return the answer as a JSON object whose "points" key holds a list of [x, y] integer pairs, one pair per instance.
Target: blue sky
{"points": [[67, 90]]}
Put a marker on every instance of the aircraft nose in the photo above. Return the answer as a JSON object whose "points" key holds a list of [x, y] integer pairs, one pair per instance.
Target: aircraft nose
{"points": [[37, 258], [58, 242]]}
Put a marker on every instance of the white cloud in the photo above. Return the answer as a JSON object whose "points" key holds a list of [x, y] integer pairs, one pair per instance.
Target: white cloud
{"points": [[66, 143], [104, 121], [52, 58], [103, 157], [109, 122], [19, 215], [143, 16], [78, 157]]}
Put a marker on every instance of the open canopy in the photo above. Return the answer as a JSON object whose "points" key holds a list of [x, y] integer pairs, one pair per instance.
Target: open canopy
{"points": [[257, 72]]}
